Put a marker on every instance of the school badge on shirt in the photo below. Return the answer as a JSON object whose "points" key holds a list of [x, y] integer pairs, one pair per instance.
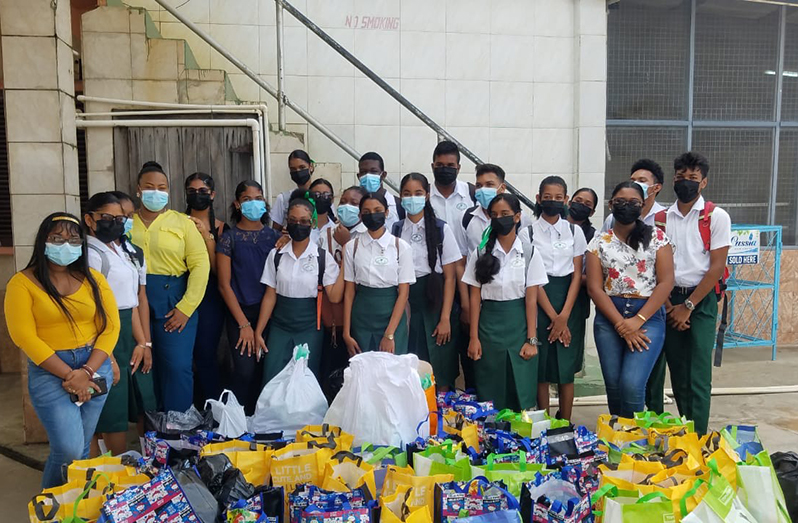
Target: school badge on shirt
{"points": [[416, 237], [462, 206], [381, 260], [559, 245]]}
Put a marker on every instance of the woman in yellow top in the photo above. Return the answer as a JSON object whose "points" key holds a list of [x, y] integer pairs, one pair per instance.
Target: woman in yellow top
{"points": [[63, 316], [177, 273]]}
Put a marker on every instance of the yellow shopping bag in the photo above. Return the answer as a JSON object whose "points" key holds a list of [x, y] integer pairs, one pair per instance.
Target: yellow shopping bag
{"points": [[346, 471], [110, 470], [235, 445], [252, 459], [325, 433], [619, 431], [396, 508], [423, 494], [79, 499], [299, 463], [455, 423]]}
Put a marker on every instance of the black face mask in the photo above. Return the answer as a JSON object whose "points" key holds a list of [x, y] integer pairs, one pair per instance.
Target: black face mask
{"points": [[445, 175], [626, 213], [552, 207], [374, 221], [503, 225], [686, 190], [298, 232], [109, 230], [323, 205], [198, 201], [300, 177], [579, 211]]}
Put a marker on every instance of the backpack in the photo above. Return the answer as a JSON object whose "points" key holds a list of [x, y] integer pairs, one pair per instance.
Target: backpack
{"points": [[136, 256], [322, 262], [396, 230], [400, 211], [467, 216], [704, 224], [529, 251]]}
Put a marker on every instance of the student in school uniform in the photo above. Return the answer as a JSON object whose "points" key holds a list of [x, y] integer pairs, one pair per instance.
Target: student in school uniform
{"points": [[504, 275], [561, 324], [322, 194], [295, 276], [371, 174], [378, 269], [650, 176], [699, 259], [301, 168], [240, 258], [435, 256], [581, 208]]}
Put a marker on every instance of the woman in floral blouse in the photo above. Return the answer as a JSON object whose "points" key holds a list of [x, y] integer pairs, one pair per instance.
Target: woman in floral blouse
{"points": [[629, 277]]}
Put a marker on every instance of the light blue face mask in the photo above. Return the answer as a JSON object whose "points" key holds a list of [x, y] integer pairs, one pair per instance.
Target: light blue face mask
{"points": [[348, 214], [64, 254], [644, 187], [153, 200], [413, 204], [485, 195], [128, 226], [371, 182], [253, 210]]}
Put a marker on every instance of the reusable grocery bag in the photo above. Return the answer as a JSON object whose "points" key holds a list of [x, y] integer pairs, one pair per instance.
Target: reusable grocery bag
{"points": [[628, 506], [443, 459], [557, 500], [266, 506], [161, 498], [666, 420], [325, 433], [455, 423], [396, 508], [501, 516], [719, 505], [513, 475], [109, 469], [229, 414], [346, 471], [759, 489], [74, 502], [291, 400], [473, 498], [423, 494], [299, 463], [744, 440], [308, 503]]}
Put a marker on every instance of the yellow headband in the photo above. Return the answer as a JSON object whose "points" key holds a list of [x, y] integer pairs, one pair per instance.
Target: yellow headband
{"points": [[66, 219]]}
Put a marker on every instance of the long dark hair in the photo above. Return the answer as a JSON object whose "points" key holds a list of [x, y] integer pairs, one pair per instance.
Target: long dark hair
{"points": [[487, 265], [301, 155], [127, 245], [434, 241], [322, 181], [235, 212], [41, 269], [211, 185], [641, 233]]}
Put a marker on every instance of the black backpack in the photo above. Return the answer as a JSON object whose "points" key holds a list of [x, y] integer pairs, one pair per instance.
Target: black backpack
{"points": [[396, 230]]}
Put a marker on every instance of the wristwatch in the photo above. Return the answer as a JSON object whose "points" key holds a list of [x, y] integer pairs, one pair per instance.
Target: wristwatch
{"points": [[533, 341], [690, 305], [388, 336]]}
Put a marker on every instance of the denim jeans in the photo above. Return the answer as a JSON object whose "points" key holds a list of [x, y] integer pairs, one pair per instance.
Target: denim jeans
{"points": [[69, 427], [625, 371]]}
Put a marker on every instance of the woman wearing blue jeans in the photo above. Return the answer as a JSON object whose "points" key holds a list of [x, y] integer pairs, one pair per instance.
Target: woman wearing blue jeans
{"points": [[629, 277]]}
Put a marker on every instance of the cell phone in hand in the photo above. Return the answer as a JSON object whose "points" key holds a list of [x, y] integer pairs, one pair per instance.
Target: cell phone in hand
{"points": [[100, 382]]}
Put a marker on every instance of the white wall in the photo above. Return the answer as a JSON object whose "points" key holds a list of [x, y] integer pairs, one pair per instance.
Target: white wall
{"points": [[520, 82]]}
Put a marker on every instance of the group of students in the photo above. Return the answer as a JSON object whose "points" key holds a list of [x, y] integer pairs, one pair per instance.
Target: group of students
{"points": [[451, 271]]}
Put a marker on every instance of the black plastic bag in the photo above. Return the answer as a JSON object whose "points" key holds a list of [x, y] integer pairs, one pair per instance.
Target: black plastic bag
{"points": [[201, 499], [332, 384], [175, 422], [786, 466], [234, 488], [211, 469]]}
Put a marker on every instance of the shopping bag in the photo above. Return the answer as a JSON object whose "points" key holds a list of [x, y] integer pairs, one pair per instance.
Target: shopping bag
{"points": [[109, 469], [759, 489], [198, 494], [473, 498], [299, 463], [73, 502], [513, 475], [719, 504], [786, 466], [291, 400], [311, 503], [500, 516], [570, 445], [454, 423], [443, 459], [266, 506], [346, 471], [423, 494], [325, 433], [666, 420], [229, 414], [620, 431], [744, 440], [557, 500], [175, 423], [396, 508], [628, 506], [162, 496]]}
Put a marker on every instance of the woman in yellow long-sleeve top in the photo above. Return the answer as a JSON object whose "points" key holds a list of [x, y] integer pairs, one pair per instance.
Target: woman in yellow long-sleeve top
{"points": [[177, 273], [63, 316]]}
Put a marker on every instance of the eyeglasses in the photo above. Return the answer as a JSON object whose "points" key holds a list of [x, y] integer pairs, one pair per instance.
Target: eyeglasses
{"points": [[198, 191], [60, 240], [631, 203], [321, 195], [300, 222], [111, 217]]}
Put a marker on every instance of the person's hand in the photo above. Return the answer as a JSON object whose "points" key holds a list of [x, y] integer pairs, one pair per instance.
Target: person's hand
{"points": [[637, 341], [351, 345], [176, 321], [443, 332], [283, 240], [342, 234], [200, 227], [246, 340], [387, 345], [78, 382], [679, 317], [115, 370], [475, 349], [528, 351], [628, 326], [136, 358], [565, 338], [260, 347], [557, 329], [146, 365]]}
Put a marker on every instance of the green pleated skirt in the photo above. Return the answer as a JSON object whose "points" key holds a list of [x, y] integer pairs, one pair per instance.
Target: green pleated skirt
{"points": [[371, 313], [502, 375], [424, 318], [559, 363], [293, 323]]}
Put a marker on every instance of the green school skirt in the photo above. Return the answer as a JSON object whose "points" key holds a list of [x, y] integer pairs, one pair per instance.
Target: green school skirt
{"points": [[559, 363], [371, 313], [502, 375], [135, 393], [424, 317], [293, 323]]}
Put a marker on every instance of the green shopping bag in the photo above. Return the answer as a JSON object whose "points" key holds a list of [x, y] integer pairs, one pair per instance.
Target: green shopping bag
{"points": [[514, 475], [760, 491], [627, 506], [666, 420], [719, 504], [382, 456], [530, 424], [443, 459], [615, 453]]}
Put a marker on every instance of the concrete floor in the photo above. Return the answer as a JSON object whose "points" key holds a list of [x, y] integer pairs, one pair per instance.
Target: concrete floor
{"points": [[18, 484]]}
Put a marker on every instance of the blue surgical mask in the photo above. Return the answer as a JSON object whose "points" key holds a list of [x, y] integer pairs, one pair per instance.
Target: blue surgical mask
{"points": [[64, 254], [253, 210], [128, 226], [348, 214], [371, 182], [413, 204], [644, 187], [154, 201], [485, 195]]}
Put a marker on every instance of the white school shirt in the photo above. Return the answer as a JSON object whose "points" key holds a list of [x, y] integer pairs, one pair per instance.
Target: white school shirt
{"points": [[124, 277], [280, 206], [299, 277], [648, 219], [451, 210], [378, 264], [393, 213], [690, 262], [479, 222], [328, 242], [557, 246], [317, 234], [415, 235], [510, 282]]}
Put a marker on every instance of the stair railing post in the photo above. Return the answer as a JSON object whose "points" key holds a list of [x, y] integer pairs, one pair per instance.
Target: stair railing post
{"points": [[280, 68]]}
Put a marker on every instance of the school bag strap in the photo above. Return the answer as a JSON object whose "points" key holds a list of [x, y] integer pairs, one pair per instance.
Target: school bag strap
{"points": [[472, 192], [400, 211], [529, 251], [467, 216], [320, 287], [396, 228], [704, 223], [661, 219], [105, 264]]}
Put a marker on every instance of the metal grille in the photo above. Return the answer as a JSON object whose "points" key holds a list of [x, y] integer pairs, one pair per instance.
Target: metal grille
{"points": [[789, 103], [739, 177], [647, 60], [787, 193], [736, 58]]}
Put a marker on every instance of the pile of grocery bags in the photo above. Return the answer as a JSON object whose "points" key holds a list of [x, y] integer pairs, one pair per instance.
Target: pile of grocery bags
{"points": [[465, 462]]}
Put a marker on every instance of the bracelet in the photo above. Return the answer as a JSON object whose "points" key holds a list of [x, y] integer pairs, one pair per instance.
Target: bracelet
{"points": [[242, 327], [91, 376], [89, 369], [642, 318]]}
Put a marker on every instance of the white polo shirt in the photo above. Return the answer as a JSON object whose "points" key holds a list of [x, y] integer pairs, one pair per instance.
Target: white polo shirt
{"points": [[477, 225], [377, 263], [328, 242], [648, 219], [298, 277], [124, 276], [690, 261], [451, 210], [280, 206], [557, 245], [415, 235], [511, 282], [316, 234]]}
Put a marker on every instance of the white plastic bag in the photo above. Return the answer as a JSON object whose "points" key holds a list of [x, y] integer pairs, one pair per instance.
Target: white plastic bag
{"points": [[228, 414], [720, 505], [291, 400], [382, 401], [759, 490]]}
